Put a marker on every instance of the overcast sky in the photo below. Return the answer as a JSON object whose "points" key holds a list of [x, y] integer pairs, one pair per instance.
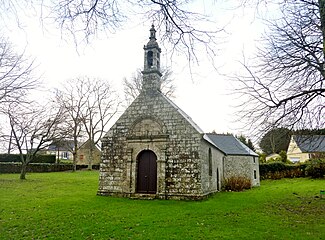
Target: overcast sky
{"points": [[205, 95]]}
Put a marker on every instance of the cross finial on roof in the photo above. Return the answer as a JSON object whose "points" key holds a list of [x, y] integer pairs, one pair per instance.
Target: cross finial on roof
{"points": [[152, 33]]}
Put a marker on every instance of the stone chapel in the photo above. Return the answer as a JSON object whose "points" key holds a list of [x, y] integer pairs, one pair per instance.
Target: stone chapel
{"points": [[155, 150]]}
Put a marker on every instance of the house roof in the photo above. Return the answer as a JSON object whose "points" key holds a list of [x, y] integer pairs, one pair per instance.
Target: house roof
{"points": [[229, 144], [62, 145], [310, 143], [86, 145]]}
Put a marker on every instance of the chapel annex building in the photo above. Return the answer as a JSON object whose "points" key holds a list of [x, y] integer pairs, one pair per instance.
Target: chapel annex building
{"points": [[155, 149]]}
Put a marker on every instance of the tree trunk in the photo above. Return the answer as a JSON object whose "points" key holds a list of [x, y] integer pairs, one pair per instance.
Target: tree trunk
{"points": [[74, 162], [23, 171], [90, 159], [58, 157], [10, 142]]}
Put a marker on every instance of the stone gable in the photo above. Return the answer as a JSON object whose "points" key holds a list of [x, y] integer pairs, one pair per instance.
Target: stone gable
{"points": [[152, 123]]}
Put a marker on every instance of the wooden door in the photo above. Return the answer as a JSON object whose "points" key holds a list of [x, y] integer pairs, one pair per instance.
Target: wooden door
{"points": [[147, 172]]}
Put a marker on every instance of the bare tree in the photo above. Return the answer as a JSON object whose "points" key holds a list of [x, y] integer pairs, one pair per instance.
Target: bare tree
{"points": [[89, 105], [133, 86], [33, 129], [71, 100], [15, 74], [284, 85], [180, 24], [101, 106], [16, 80]]}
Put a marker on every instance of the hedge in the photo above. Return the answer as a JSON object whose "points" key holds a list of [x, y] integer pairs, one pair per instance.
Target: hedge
{"points": [[34, 167], [38, 158], [278, 170], [40, 167], [316, 168]]}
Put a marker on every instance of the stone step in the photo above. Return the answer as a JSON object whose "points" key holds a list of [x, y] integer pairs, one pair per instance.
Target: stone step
{"points": [[143, 196]]}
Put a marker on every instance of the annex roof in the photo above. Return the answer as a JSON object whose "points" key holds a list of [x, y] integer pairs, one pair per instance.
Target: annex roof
{"points": [[311, 143], [230, 145]]}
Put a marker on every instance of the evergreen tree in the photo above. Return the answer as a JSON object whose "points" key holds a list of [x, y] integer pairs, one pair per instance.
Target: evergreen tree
{"points": [[246, 141], [275, 140]]}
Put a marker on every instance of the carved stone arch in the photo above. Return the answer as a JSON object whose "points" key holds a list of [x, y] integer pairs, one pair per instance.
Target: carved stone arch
{"points": [[147, 126]]}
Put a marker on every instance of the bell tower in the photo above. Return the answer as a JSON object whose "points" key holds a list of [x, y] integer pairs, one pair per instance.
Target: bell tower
{"points": [[151, 72]]}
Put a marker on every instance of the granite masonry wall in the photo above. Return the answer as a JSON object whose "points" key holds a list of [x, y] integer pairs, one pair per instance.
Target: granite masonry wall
{"points": [[246, 166], [154, 123], [212, 173]]}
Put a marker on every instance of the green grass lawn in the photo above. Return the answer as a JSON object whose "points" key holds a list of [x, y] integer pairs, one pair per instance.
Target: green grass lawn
{"points": [[65, 206]]}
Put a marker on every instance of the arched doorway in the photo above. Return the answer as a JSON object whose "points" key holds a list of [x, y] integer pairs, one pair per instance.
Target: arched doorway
{"points": [[147, 172]]}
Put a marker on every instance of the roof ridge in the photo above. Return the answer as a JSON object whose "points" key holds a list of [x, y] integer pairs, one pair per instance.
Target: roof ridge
{"points": [[221, 134]]}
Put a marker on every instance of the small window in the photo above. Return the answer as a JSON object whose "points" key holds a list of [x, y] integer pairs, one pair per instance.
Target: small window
{"points": [[254, 159], [255, 176], [64, 155], [210, 162]]}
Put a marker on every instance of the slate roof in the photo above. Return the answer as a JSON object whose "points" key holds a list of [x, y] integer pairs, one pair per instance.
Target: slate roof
{"points": [[229, 144], [312, 143], [87, 145], [62, 146]]}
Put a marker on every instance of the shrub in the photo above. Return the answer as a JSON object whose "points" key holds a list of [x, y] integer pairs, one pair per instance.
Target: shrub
{"points": [[283, 156], [237, 183], [316, 168], [262, 157]]}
